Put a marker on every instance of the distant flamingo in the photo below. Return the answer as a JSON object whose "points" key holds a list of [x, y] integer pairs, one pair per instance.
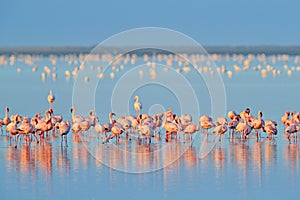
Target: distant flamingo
{"points": [[51, 98], [137, 105]]}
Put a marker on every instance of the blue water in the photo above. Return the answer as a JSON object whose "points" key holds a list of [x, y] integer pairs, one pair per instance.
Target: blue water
{"points": [[233, 169]]}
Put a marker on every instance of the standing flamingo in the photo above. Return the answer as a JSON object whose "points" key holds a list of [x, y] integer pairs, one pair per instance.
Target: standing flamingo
{"points": [[6, 119], [64, 129], [12, 128], [51, 98], [258, 124], [206, 123], [233, 124], [137, 105], [220, 130]]}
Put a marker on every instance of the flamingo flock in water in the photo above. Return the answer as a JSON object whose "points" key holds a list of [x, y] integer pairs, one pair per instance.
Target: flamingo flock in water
{"points": [[143, 127]]}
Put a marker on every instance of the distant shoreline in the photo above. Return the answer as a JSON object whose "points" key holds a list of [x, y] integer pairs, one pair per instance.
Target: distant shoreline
{"points": [[264, 49]]}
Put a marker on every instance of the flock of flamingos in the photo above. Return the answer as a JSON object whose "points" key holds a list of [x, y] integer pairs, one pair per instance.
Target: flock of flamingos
{"points": [[24, 129]]}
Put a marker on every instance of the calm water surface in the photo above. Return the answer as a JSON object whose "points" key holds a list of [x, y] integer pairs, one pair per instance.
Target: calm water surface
{"points": [[233, 169]]}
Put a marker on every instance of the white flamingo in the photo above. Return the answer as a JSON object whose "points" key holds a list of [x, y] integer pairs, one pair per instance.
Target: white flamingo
{"points": [[137, 105], [51, 98]]}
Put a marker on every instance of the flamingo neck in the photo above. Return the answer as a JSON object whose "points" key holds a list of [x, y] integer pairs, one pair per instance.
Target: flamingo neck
{"points": [[110, 119], [164, 121], [6, 113]]}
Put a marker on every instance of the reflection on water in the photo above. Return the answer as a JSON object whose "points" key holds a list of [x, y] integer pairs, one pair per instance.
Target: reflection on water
{"points": [[251, 157], [245, 164]]}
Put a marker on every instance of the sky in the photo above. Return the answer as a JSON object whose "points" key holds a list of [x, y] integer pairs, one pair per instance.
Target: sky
{"points": [[88, 22]]}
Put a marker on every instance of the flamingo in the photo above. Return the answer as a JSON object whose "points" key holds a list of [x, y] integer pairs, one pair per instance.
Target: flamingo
{"points": [[171, 128], [99, 128], [54, 119], [190, 129], [16, 117], [270, 128], [64, 129], [144, 131], [258, 124], [206, 123], [76, 118], [245, 128], [233, 124], [285, 117], [43, 125], [292, 129], [108, 126], [6, 119], [137, 105], [125, 123], [186, 119], [231, 114], [27, 128], [12, 128], [220, 130], [51, 98], [221, 121], [92, 119], [115, 132]]}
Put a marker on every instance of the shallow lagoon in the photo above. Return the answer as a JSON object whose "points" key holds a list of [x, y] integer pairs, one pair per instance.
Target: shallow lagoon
{"points": [[233, 169]]}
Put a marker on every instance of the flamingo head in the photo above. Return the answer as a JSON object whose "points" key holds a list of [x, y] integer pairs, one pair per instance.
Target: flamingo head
{"points": [[38, 115], [247, 110], [7, 109], [72, 109], [260, 113], [92, 112], [135, 98], [287, 113]]}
